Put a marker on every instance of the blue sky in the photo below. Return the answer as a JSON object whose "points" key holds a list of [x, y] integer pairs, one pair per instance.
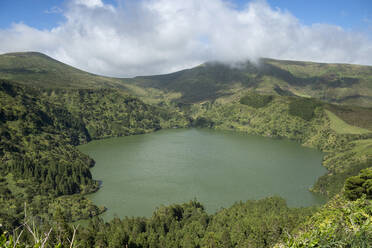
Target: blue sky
{"points": [[31, 12], [142, 37], [349, 14]]}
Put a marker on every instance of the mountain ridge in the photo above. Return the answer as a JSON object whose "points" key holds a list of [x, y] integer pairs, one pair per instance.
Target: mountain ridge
{"points": [[346, 84], [335, 83]]}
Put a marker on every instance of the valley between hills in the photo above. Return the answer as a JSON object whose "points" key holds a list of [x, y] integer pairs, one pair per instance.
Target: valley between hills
{"points": [[48, 108]]}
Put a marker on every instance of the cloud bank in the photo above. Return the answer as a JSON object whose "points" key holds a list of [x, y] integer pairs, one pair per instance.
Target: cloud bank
{"points": [[159, 36]]}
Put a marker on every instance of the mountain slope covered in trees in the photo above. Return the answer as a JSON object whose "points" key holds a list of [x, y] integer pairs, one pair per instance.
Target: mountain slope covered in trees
{"points": [[40, 130]]}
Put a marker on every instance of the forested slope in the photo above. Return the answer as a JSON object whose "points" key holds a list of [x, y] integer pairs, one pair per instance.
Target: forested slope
{"points": [[39, 132]]}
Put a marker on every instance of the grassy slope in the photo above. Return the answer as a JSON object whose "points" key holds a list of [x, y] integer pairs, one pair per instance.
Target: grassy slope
{"points": [[341, 126], [352, 115], [336, 83], [37, 69]]}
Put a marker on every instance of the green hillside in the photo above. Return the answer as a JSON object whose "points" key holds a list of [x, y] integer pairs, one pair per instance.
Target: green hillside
{"points": [[334, 83], [37, 69]]}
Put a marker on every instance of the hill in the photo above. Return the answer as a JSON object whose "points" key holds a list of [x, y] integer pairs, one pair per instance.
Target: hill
{"points": [[37, 69], [334, 83]]}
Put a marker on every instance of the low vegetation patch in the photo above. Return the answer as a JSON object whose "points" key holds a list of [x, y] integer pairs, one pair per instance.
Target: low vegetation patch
{"points": [[341, 126], [353, 115], [256, 100], [340, 223], [303, 107]]}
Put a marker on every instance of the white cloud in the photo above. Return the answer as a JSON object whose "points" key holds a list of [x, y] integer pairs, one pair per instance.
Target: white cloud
{"points": [[90, 3], [53, 10], [157, 36]]}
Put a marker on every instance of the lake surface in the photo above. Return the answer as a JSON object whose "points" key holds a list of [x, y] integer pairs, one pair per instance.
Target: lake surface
{"points": [[218, 168]]}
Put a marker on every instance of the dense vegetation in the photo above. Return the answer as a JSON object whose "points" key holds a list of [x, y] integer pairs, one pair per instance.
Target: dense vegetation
{"points": [[38, 159], [108, 113], [357, 186], [43, 172], [263, 223], [37, 142], [253, 223]]}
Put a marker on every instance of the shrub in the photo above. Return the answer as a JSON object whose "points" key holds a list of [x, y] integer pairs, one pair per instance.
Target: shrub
{"points": [[357, 186]]}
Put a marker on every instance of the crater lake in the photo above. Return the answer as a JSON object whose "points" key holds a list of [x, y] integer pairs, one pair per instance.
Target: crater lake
{"points": [[217, 168]]}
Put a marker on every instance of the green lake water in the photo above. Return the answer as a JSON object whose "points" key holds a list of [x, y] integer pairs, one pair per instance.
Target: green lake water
{"points": [[142, 172]]}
